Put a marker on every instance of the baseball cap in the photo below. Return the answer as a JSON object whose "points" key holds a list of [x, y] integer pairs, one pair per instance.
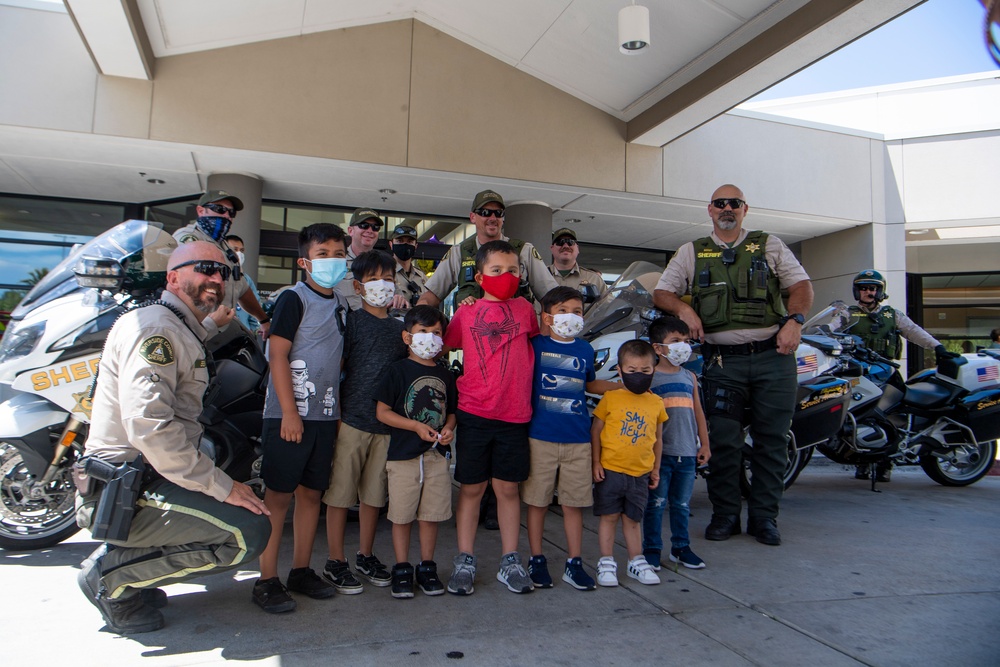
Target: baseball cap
{"points": [[213, 196], [485, 197], [403, 230], [362, 214], [565, 231]]}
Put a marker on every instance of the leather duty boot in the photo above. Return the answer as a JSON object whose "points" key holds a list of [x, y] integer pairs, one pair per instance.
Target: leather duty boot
{"points": [[127, 615], [765, 530], [722, 527]]}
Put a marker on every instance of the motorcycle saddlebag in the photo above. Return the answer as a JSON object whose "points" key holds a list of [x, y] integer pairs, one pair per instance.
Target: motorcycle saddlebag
{"points": [[821, 409], [981, 412]]}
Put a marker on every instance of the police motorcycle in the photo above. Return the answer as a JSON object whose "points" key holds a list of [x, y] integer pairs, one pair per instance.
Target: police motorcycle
{"points": [[944, 419], [48, 361], [626, 311]]}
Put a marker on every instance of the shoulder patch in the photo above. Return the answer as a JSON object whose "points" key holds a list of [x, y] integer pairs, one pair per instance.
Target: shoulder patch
{"points": [[534, 253], [187, 238], [157, 350]]}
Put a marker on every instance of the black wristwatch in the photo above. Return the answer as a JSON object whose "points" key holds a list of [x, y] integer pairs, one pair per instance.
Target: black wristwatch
{"points": [[798, 317], [268, 319]]}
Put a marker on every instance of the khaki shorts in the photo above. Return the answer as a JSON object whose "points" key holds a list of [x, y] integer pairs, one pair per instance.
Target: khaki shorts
{"points": [[410, 498], [358, 469], [572, 462]]}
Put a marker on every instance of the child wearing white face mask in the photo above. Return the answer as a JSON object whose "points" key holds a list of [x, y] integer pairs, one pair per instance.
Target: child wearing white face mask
{"points": [[559, 434], [417, 399], [682, 452], [372, 342]]}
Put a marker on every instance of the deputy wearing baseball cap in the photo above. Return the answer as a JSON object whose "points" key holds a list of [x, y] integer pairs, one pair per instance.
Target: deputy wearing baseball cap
{"points": [[566, 270], [363, 230], [410, 280], [458, 268]]}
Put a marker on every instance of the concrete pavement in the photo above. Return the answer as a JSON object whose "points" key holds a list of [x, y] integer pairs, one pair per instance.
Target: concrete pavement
{"points": [[903, 577]]}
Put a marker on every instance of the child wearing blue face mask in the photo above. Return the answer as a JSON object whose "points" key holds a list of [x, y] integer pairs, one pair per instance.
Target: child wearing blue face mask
{"points": [[682, 452], [301, 412]]}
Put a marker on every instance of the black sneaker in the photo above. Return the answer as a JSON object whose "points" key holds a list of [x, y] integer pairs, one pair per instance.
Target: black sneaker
{"points": [[272, 596], [538, 570], [372, 569], [338, 573], [304, 580], [125, 615], [402, 580], [427, 578], [686, 557], [576, 577]]}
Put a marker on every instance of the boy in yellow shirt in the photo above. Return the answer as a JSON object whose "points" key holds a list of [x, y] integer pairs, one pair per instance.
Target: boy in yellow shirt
{"points": [[627, 441]]}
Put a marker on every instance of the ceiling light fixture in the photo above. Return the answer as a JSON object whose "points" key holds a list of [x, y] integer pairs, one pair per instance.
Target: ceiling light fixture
{"points": [[155, 181], [572, 220], [387, 191], [633, 29]]}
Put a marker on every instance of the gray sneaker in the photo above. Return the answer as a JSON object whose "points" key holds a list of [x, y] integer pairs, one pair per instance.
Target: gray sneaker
{"points": [[513, 575], [464, 575]]}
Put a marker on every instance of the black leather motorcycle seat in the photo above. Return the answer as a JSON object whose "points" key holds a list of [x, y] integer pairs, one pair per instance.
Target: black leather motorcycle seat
{"points": [[929, 395]]}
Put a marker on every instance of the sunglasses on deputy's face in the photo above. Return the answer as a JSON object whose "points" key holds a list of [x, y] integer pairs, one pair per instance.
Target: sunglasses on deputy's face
{"points": [[220, 209], [564, 242], [867, 288], [207, 267], [365, 225], [733, 203], [487, 212]]}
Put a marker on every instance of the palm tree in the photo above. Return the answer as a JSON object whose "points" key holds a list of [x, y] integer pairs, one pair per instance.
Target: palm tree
{"points": [[34, 276]]}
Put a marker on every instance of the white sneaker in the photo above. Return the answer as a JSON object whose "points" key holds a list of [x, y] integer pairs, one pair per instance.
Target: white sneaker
{"points": [[639, 569], [607, 572]]}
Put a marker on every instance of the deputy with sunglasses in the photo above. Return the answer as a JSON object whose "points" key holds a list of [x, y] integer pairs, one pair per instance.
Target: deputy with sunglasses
{"points": [[410, 280], [363, 230], [566, 270], [216, 210], [735, 278], [191, 519], [458, 268]]}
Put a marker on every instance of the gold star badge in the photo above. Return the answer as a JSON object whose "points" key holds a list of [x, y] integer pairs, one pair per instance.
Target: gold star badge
{"points": [[83, 403], [751, 247]]}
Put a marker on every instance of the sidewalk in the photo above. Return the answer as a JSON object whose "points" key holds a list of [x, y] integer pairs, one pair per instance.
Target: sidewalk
{"points": [[903, 577]]}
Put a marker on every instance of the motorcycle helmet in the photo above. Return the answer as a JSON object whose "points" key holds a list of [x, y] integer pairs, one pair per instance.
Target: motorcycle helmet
{"points": [[870, 277]]}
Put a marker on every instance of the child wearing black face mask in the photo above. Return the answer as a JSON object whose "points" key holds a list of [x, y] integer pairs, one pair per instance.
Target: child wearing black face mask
{"points": [[627, 441]]}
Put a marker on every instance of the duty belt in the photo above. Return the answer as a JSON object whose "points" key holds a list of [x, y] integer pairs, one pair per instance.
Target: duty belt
{"points": [[709, 350]]}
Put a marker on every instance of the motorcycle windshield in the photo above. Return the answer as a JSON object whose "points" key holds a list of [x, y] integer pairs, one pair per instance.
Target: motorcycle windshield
{"points": [[117, 243], [627, 305]]}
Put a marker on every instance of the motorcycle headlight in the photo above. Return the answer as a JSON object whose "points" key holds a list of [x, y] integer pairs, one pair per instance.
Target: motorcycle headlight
{"points": [[20, 340], [601, 357]]}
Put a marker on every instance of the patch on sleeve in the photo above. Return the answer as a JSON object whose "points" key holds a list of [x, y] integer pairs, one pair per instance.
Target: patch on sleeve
{"points": [[187, 238], [534, 253], [157, 350]]}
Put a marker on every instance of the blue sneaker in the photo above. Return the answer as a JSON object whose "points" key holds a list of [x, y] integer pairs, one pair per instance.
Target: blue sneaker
{"points": [[687, 558], [538, 569], [577, 577], [653, 558]]}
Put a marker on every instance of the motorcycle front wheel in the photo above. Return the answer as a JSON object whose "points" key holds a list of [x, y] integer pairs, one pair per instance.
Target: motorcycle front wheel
{"points": [[32, 520], [959, 470]]}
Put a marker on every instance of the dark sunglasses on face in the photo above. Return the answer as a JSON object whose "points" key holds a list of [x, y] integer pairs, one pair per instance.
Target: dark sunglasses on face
{"points": [[369, 225], [220, 209], [403, 230], [207, 267], [733, 203], [487, 212], [564, 242], [867, 288]]}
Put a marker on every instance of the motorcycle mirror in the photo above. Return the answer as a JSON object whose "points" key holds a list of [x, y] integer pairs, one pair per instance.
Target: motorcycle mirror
{"points": [[589, 293], [100, 273]]}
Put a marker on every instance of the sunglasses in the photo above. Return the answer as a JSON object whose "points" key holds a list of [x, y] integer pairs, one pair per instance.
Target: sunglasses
{"points": [[733, 203], [867, 288], [208, 267], [403, 230], [565, 242], [220, 209], [487, 212], [375, 226]]}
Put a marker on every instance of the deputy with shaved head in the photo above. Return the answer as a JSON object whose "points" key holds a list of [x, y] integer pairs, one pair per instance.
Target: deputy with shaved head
{"points": [[191, 518]]}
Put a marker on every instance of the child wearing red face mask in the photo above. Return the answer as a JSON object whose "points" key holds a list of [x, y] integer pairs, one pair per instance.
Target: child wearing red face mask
{"points": [[494, 408]]}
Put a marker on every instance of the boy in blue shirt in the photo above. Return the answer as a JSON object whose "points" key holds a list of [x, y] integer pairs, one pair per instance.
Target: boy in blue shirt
{"points": [[559, 434], [682, 452]]}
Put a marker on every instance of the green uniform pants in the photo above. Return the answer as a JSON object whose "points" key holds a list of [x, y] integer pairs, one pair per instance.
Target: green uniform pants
{"points": [[764, 383], [177, 535]]}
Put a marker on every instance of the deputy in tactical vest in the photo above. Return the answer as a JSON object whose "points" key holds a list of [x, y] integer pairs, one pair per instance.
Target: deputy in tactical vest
{"points": [[567, 271], [735, 279], [882, 329], [458, 268]]}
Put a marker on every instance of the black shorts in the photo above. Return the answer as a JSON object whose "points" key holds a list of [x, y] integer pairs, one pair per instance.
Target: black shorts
{"points": [[621, 494], [490, 448], [287, 465]]}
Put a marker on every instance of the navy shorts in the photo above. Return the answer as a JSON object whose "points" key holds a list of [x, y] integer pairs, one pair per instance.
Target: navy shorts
{"points": [[287, 465], [621, 494], [490, 448]]}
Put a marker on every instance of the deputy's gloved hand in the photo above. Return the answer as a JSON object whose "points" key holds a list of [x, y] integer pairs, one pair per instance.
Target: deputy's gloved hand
{"points": [[940, 354]]}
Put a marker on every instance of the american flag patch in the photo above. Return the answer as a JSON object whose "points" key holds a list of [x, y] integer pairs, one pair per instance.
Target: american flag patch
{"points": [[986, 373], [806, 364]]}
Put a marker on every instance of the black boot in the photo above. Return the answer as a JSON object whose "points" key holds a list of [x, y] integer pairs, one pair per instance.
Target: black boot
{"points": [[722, 527], [126, 615]]}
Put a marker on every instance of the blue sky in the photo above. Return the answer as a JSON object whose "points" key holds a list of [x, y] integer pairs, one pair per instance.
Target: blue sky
{"points": [[936, 39]]}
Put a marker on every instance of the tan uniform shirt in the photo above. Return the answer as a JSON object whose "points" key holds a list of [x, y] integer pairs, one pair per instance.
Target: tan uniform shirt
{"points": [[234, 288], [446, 275], [346, 286], [580, 276], [679, 275], [404, 280], [149, 394]]}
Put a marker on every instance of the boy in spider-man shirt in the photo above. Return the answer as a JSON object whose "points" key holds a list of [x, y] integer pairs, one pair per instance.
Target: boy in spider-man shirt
{"points": [[494, 408]]}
